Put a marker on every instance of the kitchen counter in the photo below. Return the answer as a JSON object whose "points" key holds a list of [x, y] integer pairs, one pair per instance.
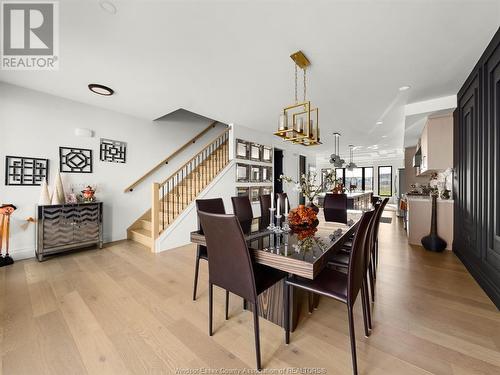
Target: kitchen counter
{"points": [[419, 219], [355, 201]]}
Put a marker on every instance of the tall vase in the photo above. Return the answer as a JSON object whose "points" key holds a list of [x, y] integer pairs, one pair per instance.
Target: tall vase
{"points": [[433, 242]]}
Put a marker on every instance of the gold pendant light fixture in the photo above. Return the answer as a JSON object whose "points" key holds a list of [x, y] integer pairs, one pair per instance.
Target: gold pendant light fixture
{"points": [[299, 122]]}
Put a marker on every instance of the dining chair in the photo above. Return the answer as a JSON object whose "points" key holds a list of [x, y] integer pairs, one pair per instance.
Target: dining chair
{"points": [[335, 208], [375, 245], [265, 204], [215, 206], [343, 287], [242, 208], [231, 267], [282, 198]]}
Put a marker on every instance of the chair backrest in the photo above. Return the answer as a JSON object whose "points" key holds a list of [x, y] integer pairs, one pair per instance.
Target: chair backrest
{"points": [[242, 208], [357, 258], [229, 261], [335, 208], [282, 197], [214, 206], [265, 204], [379, 215]]}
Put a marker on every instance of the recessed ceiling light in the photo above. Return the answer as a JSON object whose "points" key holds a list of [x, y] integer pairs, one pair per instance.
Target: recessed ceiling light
{"points": [[404, 88], [379, 123], [107, 6], [384, 136], [101, 89]]}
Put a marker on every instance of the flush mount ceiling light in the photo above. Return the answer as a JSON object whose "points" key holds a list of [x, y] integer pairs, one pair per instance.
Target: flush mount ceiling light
{"points": [[107, 6], [404, 88], [299, 122], [101, 89], [379, 123]]}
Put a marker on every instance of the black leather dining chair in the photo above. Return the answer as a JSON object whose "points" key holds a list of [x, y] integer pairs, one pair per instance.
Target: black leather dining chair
{"points": [[231, 267], [338, 285], [265, 205], [215, 206], [242, 208], [335, 208]]}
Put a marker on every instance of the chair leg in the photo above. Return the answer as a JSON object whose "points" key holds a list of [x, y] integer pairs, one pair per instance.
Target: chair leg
{"points": [[310, 302], [196, 269], [287, 313], [373, 264], [367, 304], [257, 338], [227, 304], [370, 279], [365, 311], [353, 341], [210, 305]]}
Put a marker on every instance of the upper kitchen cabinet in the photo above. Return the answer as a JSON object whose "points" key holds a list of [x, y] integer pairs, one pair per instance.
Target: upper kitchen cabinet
{"points": [[436, 145]]}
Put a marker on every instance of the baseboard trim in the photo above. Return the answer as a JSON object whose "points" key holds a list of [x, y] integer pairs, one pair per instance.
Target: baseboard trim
{"points": [[22, 253], [489, 288]]}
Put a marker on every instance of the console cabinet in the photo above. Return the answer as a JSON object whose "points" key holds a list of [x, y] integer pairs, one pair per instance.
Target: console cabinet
{"points": [[68, 226]]}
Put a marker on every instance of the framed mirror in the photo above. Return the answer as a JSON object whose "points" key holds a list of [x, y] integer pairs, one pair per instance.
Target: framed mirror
{"points": [[267, 174], [254, 194], [242, 149], [266, 190], [267, 154], [255, 151], [242, 191], [242, 171], [255, 173]]}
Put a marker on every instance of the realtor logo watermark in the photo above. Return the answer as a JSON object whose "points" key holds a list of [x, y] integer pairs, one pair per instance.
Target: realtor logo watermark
{"points": [[30, 35]]}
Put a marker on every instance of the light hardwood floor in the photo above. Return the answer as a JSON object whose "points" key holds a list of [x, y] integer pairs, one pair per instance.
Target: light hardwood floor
{"points": [[123, 310]]}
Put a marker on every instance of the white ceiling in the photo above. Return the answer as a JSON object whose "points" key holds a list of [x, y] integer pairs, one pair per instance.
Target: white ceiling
{"points": [[229, 60]]}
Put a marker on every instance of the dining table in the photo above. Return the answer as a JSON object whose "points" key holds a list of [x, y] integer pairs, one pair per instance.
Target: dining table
{"points": [[301, 252]]}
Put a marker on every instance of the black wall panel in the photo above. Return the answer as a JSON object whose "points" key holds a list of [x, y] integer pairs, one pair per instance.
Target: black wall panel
{"points": [[477, 172]]}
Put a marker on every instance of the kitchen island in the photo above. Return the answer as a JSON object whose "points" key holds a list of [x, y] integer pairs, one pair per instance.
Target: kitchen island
{"points": [[355, 201]]}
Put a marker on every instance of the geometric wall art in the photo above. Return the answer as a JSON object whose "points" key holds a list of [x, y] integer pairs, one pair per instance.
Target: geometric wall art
{"points": [[23, 171], [75, 160], [113, 151]]}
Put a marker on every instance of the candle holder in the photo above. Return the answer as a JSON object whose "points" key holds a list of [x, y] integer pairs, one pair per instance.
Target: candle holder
{"points": [[277, 228], [286, 227], [271, 225]]}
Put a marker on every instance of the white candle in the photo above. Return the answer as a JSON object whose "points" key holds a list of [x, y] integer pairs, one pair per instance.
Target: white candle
{"points": [[272, 202], [286, 206], [279, 206]]}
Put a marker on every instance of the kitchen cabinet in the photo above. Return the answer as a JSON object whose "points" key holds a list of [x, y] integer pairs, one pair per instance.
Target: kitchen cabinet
{"points": [[436, 144]]}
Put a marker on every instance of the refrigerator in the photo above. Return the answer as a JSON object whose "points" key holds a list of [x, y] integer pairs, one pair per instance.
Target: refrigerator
{"points": [[399, 190]]}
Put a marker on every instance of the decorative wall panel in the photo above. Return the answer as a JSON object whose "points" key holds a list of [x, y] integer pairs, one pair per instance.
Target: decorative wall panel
{"points": [[477, 165], [23, 171], [75, 160], [113, 151]]}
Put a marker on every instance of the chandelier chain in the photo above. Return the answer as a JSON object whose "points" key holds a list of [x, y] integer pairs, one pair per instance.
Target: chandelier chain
{"points": [[296, 92], [304, 83]]}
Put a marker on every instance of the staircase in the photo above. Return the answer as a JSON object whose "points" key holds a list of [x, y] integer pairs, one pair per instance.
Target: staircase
{"points": [[173, 195]]}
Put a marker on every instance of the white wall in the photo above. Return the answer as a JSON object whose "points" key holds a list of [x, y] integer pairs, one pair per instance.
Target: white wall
{"points": [[33, 124]]}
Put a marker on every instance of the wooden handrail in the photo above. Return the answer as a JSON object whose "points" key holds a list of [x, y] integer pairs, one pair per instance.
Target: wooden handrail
{"points": [[197, 154], [170, 157]]}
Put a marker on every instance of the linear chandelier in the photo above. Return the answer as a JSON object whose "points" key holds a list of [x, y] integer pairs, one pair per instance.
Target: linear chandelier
{"points": [[299, 122]]}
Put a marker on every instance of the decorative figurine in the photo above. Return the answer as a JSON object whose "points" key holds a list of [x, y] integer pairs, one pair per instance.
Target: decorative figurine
{"points": [[5, 212], [88, 194]]}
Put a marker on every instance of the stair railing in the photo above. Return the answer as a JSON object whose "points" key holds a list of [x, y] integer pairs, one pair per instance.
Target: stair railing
{"points": [[171, 196], [170, 157]]}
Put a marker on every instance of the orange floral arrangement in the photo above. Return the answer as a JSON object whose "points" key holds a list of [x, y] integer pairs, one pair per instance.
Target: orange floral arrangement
{"points": [[302, 217]]}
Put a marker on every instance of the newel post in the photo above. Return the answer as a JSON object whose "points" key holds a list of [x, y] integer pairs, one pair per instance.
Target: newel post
{"points": [[155, 215]]}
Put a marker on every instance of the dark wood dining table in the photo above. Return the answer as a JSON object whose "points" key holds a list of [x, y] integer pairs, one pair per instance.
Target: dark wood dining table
{"points": [[292, 252]]}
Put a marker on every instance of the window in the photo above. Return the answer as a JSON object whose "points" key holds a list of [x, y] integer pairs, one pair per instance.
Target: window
{"points": [[354, 179], [361, 179], [385, 181]]}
